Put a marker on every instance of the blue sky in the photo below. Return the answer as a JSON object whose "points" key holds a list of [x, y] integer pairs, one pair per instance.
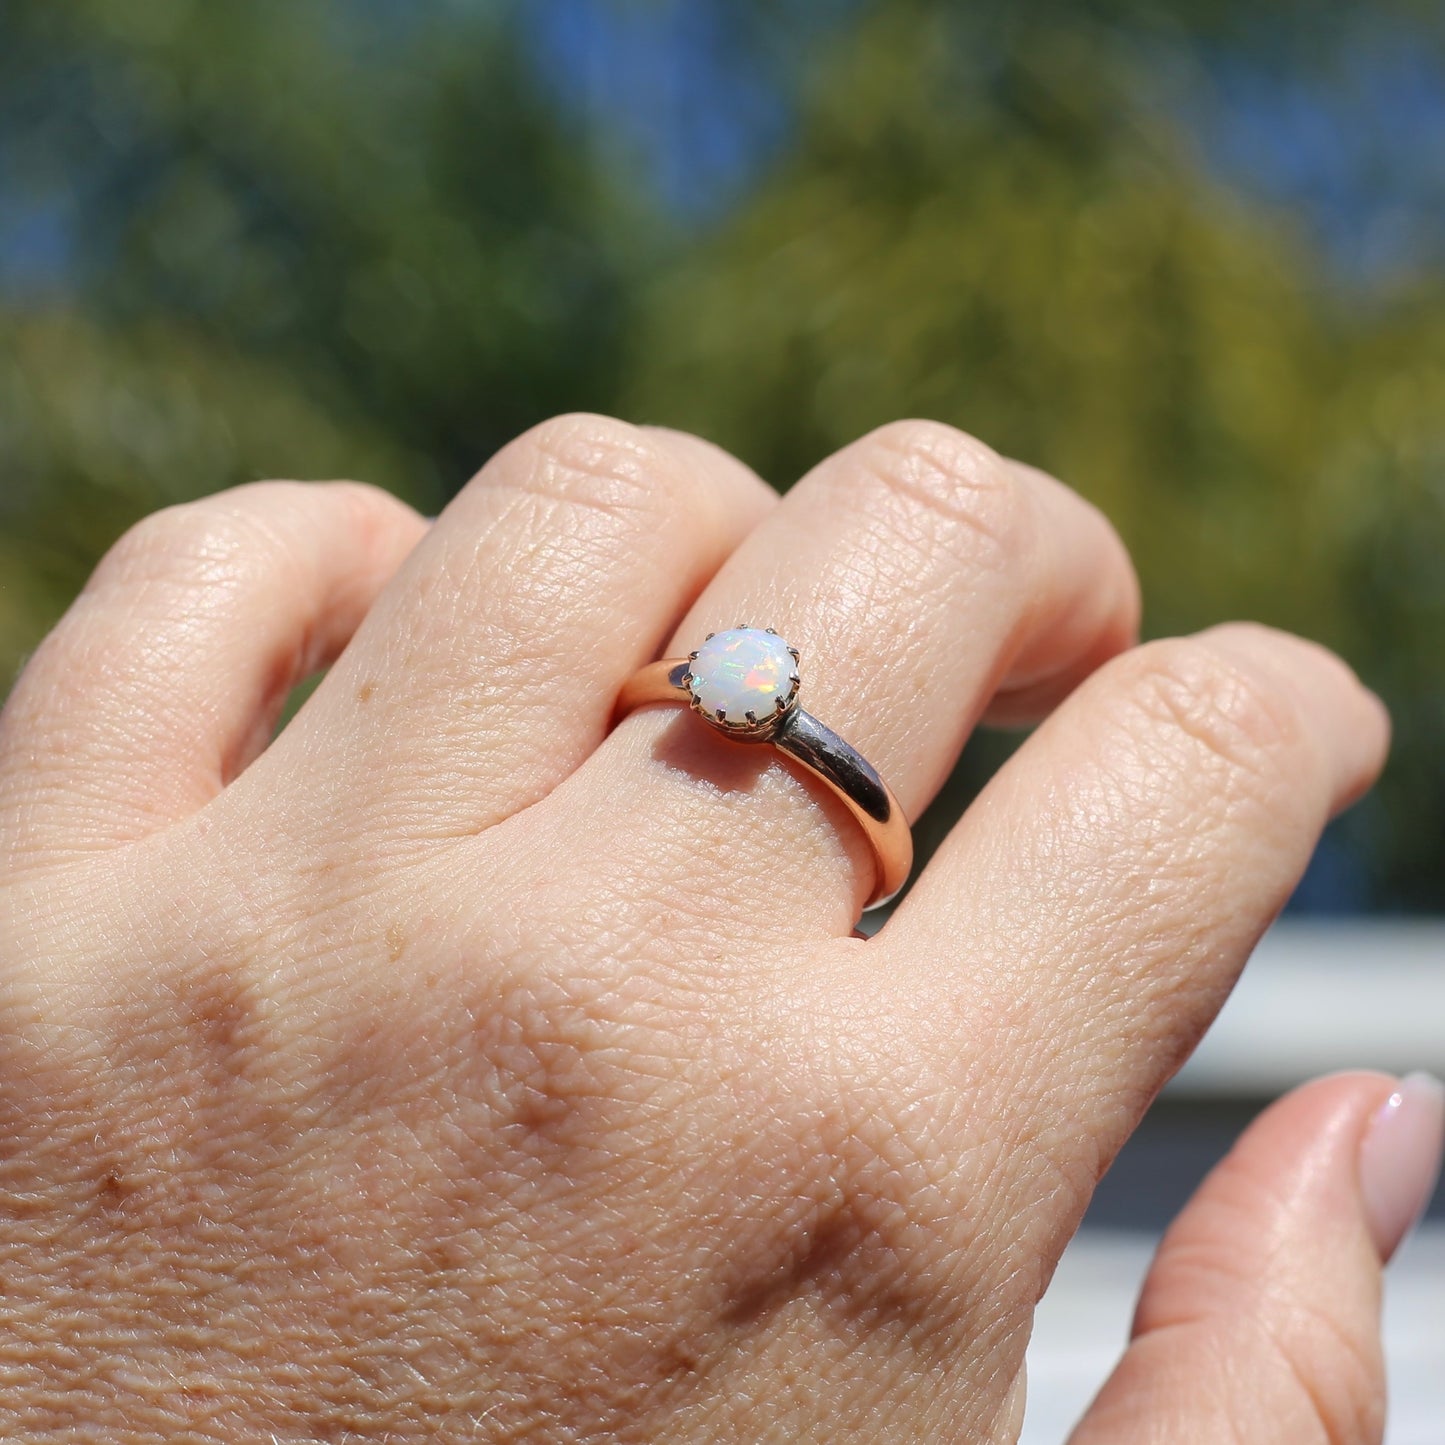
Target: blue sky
{"points": [[700, 92], [1358, 159]]}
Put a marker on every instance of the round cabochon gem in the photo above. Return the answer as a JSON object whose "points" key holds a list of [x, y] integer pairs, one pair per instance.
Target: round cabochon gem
{"points": [[743, 670]]}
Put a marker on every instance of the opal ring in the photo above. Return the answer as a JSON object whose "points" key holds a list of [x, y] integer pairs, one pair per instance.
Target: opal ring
{"points": [[745, 682]]}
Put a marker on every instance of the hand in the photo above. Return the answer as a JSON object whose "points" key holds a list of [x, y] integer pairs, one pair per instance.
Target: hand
{"points": [[452, 1070]]}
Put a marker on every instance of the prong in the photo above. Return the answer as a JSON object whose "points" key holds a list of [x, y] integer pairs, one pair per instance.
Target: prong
{"points": [[782, 704], [722, 716], [752, 718], [792, 651], [794, 679], [708, 638], [771, 631], [692, 656]]}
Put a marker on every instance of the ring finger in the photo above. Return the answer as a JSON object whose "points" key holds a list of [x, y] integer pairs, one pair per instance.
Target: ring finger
{"points": [[920, 576]]}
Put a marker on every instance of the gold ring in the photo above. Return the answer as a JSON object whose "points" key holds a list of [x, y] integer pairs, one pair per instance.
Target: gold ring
{"points": [[745, 683]]}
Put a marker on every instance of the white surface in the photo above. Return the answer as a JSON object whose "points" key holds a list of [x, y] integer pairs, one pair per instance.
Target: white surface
{"points": [[1323, 995], [1083, 1323]]}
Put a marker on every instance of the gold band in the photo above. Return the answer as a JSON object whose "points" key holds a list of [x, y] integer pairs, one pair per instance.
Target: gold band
{"points": [[818, 751]]}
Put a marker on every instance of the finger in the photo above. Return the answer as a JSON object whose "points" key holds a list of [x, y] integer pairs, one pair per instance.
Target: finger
{"points": [[165, 677], [488, 670], [919, 575], [1087, 917], [1055, 659], [1259, 1322]]}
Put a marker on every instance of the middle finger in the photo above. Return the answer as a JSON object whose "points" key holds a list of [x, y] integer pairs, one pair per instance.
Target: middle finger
{"points": [[920, 575]]}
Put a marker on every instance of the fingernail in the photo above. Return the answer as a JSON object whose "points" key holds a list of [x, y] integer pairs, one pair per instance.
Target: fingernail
{"points": [[1400, 1159]]}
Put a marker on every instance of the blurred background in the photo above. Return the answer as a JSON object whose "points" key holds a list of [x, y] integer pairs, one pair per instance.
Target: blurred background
{"points": [[1186, 256], [1189, 257]]}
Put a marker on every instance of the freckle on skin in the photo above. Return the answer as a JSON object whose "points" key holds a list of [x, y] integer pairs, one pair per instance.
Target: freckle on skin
{"points": [[395, 942], [365, 691]]}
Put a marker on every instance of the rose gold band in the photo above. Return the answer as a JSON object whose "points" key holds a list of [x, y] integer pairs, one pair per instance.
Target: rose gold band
{"points": [[818, 751]]}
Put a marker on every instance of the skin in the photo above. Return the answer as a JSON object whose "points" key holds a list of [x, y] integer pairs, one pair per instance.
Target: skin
{"points": [[456, 1069]]}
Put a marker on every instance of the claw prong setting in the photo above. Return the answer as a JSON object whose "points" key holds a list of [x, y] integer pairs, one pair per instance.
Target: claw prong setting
{"points": [[744, 681]]}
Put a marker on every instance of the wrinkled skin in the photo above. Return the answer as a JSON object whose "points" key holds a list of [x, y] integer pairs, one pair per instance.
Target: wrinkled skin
{"points": [[454, 1069]]}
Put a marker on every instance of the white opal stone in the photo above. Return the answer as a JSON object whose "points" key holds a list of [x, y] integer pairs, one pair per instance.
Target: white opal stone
{"points": [[740, 671]]}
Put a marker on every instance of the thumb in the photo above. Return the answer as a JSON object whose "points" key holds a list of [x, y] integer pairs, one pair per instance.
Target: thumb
{"points": [[1259, 1322]]}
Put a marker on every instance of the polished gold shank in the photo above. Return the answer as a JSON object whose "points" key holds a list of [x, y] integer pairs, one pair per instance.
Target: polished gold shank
{"points": [[811, 746]]}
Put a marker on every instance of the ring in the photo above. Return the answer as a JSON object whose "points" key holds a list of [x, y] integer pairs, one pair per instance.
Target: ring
{"points": [[745, 683]]}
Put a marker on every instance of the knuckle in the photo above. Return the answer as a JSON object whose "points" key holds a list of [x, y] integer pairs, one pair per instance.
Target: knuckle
{"points": [[559, 1073], [572, 1063], [192, 1040], [1195, 691], [599, 464], [368, 504], [881, 1224], [948, 478], [366, 515], [218, 539]]}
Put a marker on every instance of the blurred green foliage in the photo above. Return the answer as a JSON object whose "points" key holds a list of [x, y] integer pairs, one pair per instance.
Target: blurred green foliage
{"points": [[304, 238], [299, 241]]}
